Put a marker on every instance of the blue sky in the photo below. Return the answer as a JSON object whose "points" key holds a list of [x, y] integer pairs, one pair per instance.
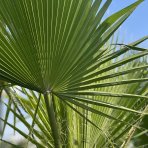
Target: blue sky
{"points": [[136, 26]]}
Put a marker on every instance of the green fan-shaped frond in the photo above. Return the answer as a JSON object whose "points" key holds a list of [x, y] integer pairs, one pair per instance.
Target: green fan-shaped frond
{"points": [[89, 91], [45, 45]]}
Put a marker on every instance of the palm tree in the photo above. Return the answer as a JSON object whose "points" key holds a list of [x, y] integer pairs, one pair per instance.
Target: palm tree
{"points": [[78, 88]]}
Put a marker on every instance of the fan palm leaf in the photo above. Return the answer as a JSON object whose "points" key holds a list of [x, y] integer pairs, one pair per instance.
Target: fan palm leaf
{"points": [[60, 49], [31, 40]]}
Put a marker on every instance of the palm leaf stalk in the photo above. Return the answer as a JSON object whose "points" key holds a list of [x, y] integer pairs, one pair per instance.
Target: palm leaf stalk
{"points": [[51, 115], [60, 49]]}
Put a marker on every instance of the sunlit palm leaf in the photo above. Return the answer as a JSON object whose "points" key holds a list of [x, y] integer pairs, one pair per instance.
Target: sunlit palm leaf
{"points": [[43, 45], [59, 48]]}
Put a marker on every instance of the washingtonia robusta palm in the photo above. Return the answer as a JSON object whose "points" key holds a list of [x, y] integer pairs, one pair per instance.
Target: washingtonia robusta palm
{"points": [[88, 93]]}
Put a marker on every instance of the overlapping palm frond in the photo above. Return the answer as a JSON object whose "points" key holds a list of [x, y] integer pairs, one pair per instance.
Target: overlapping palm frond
{"points": [[88, 93]]}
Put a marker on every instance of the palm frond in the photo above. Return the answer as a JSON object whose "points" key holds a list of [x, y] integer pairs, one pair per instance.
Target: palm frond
{"points": [[78, 88]]}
